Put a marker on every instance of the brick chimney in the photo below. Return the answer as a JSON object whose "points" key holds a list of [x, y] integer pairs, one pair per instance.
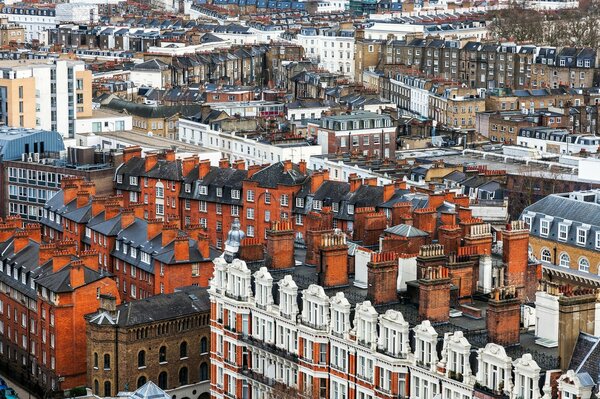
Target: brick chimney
{"points": [[465, 224], [90, 259], [88, 186], [67, 245], [252, 169], [316, 180], [60, 259], [287, 165], [150, 161], [515, 253], [6, 232], [425, 219], [239, 164], [448, 218], [154, 227], [182, 248], [480, 235], [169, 233], [203, 245], [83, 198], [434, 295], [370, 181], [576, 313], [46, 252], [401, 211], [332, 267], [34, 232], [388, 192], [461, 200], [14, 221], [77, 274], [449, 196], [382, 277], [430, 256], [203, 168], [449, 237], [316, 225], [131, 152], [280, 245], [127, 217], [69, 193], [251, 249], [374, 225], [174, 220], [188, 164], [360, 215], [138, 209], [503, 316], [400, 184], [436, 200], [355, 183], [111, 210], [464, 213], [20, 241], [169, 155], [224, 163], [302, 166]]}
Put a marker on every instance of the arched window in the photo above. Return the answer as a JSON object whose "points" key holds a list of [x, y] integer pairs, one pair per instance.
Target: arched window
{"points": [[141, 358], [106, 361], [162, 380], [565, 260], [162, 354], [95, 360], [204, 372], [546, 256], [107, 391], [584, 265], [183, 376], [96, 387], [183, 350], [203, 345], [141, 381]]}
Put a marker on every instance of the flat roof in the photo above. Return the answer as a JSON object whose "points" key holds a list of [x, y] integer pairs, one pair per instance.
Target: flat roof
{"points": [[151, 141]]}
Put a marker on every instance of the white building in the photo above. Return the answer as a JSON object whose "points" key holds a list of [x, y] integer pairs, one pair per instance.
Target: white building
{"points": [[381, 30], [340, 171], [234, 146], [557, 141], [36, 21], [332, 48], [78, 13], [104, 121]]}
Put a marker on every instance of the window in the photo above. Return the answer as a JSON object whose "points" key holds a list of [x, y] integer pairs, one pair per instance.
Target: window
{"points": [[160, 191], [528, 219], [203, 190], [300, 202], [162, 354], [546, 255], [107, 391], [544, 227], [267, 197], [350, 209], [250, 196], [563, 231], [235, 210], [250, 231], [183, 350], [145, 257], [219, 191], [183, 376], [162, 380], [284, 200], [106, 361], [565, 260], [133, 180], [584, 265], [141, 381], [204, 372], [250, 213], [141, 359], [598, 240], [202, 206], [95, 360], [581, 236], [235, 194], [160, 209], [203, 346]]}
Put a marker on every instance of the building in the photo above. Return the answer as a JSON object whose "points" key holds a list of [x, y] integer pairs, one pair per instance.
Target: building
{"points": [[163, 339], [45, 291], [368, 133], [504, 126], [35, 20], [557, 141], [11, 33], [565, 232], [62, 90]]}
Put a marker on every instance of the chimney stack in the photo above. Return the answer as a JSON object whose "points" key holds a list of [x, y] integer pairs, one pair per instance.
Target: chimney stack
{"points": [[127, 217], [111, 210], [182, 248], [188, 164], [34, 232], [425, 219], [131, 152], [355, 183], [203, 245], [169, 155], [88, 186], [239, 164], [280, 245], [90, 259], [69, 193], [20, 241], [203, 168], [576, 313], [316, 180], [154, 227], [382, 277], [98, 204], [60, 259], [388, 192], [515, 254], [224, 163], [332, 266], [434, 294], [169, 233], [302, 166], [46, 252], [150, 161], [480, 236], [77, 274], [503, 316], [287, 165]]}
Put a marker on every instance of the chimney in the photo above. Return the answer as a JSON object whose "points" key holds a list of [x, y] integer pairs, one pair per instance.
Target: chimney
{"points": [[77, 274], [169, 233], [287, 165], [20, 241], [69, 193], [430, 256], [203, 168], [188, 164], [355, 183], [169, 155], [503, 317], [464, 213], [332, 267], [203, 245], [154, 227], [90, 259], [252, 169], [88, 186], [280, 245], [448, 218], [69, 246], [449, 196], [108, 303], [150, 161], [239, 164], [480, 236], [182, 248], [60, 259], [34, 232], [138, 209], [14, 221], [370, 181], [174, 220], [515, 253], [302, 166], [83, 198], [382, 277], [111, 210], [434, 295], [316, 180], [6, 232], [388, 192], [127, 217], [576, 313], [224, 163], [436, 200], [461, 200], [425, 219], [131, 152], [400, 212], [449, 237], [46, 252]]}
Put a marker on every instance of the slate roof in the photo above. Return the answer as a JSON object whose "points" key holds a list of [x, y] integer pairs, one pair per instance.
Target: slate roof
{"points": [[405, 230], [275, 174], [164, 170], [586, 356], [226, 179], [60, 281], [151, 65], [147, 111]]}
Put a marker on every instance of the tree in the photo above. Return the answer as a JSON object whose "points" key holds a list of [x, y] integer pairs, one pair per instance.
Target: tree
{"points": [[517, 23]]}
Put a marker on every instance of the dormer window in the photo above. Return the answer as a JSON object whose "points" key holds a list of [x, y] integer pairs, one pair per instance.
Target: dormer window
{"points": [[300, 202], [219, 192], [581, 235], [188, 187], [317, 205], [203, 190], [235, 194], [544, 228], [119, 179], [133, 180], [350, 209], [563, 231]]}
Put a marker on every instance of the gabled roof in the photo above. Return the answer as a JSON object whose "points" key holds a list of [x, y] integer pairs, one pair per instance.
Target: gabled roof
{"points": [[405, 230], [275, 174], [151, 65], [60, 281]]}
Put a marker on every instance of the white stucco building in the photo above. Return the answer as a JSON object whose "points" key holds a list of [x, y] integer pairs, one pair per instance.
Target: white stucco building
{"points": [[332, 48]]}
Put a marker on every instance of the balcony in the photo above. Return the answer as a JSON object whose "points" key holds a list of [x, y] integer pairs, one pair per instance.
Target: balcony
{"points": [[238, 298], [364, 343], [423, 364], [385, 351], [229, 328], [491, 393], [271, 348], [261, 306], [455, 376], [314, 326], [261, 378]]}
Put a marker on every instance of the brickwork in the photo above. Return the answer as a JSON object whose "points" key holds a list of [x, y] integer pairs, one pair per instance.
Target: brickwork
{"points": [[434, 295], [503, 317], [280, 245], [382, 277], [333, 263]]}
